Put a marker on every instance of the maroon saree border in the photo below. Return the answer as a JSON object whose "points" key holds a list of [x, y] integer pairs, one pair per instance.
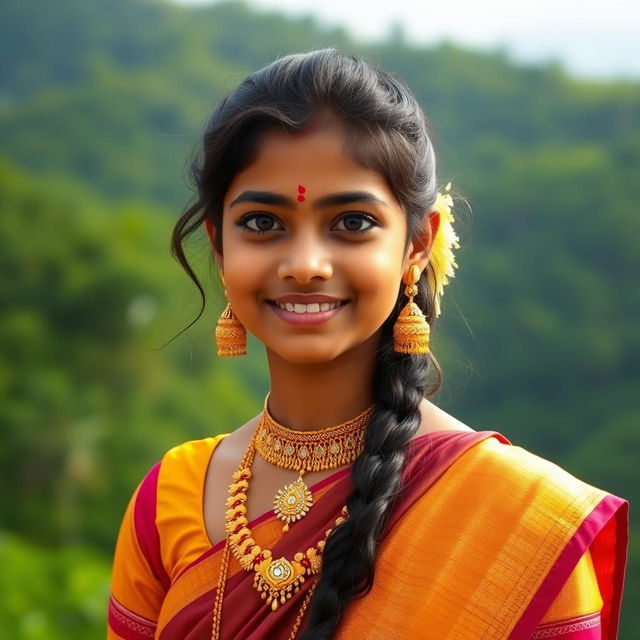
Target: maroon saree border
{"points": [[578, 628], [127, 624], [609, 518]]}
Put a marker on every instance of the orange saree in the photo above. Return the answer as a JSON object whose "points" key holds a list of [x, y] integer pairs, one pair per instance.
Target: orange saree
{"points": [[486, 541]]}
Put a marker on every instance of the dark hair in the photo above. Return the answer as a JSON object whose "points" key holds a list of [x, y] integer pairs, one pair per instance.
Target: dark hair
{"points": [[387, 131]]}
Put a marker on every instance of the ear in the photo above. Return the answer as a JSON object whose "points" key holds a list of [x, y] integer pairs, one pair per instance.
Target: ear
{"points": [[419, 248], [211, 232]]}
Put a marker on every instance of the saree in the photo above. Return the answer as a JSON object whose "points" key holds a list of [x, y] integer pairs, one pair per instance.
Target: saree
{"points": [[486, 540]]}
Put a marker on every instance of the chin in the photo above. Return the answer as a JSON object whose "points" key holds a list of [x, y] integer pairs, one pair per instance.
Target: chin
{"points": [[306, 354]]}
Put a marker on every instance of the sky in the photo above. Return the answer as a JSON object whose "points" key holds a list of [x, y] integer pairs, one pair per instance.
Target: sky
{"points": [[592, 38]]}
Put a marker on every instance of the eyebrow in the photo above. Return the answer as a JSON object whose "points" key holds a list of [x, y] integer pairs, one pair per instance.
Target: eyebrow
{"points": [[331, 200]]}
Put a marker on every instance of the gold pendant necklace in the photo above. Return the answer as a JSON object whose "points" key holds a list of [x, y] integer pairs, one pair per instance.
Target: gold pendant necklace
{"points": [[306, 451], [293, 502], [276, 579]]}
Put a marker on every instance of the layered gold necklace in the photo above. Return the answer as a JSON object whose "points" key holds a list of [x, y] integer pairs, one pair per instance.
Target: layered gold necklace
{"points": [[279, 579], [306, 451]]}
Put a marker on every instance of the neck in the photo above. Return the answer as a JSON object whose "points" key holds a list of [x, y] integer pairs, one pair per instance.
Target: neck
{"points": [[307, 397]]}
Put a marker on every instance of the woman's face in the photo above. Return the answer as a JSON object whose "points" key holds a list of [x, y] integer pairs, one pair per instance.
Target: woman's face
{"points": [[313, 247]]}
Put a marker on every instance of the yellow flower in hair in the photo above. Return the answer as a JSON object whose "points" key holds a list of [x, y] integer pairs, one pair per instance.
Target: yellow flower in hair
{"points": [[446, 239]]}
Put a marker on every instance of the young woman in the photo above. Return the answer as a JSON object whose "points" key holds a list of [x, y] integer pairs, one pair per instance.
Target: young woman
{"points": [[351, 507]]}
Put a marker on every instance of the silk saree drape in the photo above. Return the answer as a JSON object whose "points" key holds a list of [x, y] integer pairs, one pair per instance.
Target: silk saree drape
{"points": [[486, 541]]}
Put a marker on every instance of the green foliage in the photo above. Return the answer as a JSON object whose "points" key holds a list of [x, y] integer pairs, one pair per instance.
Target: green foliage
{"points": [[66, 601], [100, 108], [554, 252], [91, 296]]}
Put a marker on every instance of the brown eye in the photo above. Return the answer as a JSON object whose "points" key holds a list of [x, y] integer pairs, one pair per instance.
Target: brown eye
{"points": [[356, 223], [259, 222]]}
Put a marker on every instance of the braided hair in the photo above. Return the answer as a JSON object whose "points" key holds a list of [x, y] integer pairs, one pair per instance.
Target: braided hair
{"points": [[386, 130]]}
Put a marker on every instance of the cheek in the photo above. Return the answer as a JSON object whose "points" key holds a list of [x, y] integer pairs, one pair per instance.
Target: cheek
{"points": [[244, 276], [379, 277], [243, 272]]}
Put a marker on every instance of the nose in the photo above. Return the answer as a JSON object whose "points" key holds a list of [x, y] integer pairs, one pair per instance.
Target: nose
{"points": [[306, 258]]}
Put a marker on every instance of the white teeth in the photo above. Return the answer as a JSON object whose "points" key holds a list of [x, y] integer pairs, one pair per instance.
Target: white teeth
{"points": [[314, 307]]}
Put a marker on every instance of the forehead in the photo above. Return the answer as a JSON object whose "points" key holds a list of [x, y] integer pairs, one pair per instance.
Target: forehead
{"points": [[317, 160]]}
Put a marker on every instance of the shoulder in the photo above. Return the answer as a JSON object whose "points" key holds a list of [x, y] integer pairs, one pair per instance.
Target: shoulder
{"points": [[230, 448], [505, 474], [516, 464], [502, 492], [176, 478], [433, 419], [186, 464], [171, 506], [191, 452], [166, 509], [177, 467], [182, 471]]}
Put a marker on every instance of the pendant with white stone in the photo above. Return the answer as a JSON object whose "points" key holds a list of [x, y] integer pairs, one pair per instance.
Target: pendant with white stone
{"points": [[277, 580], [293, 502]]}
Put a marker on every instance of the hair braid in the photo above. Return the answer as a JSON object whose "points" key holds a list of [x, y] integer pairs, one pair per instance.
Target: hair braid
{"points": [[350, 552]]}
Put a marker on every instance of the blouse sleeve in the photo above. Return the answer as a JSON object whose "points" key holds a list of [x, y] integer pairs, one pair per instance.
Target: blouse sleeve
{"points": [[139, 580], [575, 613]]}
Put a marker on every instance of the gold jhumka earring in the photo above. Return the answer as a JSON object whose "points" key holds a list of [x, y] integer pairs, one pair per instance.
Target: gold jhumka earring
{"points": [[411, 330], [231, 336]]}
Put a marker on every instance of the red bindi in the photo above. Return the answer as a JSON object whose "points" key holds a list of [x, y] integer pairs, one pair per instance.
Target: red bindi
{"points": [[301, 192]]}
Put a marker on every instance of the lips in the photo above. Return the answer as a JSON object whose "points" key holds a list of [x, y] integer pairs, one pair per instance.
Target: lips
{"points": [[307, 302], [311, 307], [306, 309]]}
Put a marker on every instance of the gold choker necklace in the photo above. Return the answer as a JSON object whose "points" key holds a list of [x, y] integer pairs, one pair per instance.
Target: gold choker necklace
{"points": [[311, 450], [306, 451]]}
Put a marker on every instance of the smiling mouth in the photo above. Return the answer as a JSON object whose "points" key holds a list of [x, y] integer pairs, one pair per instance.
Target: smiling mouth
{"points": [[313, 307]]}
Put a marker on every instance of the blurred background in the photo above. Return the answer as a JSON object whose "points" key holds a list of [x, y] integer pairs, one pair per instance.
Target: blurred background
{"points": [[536, 116]]}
